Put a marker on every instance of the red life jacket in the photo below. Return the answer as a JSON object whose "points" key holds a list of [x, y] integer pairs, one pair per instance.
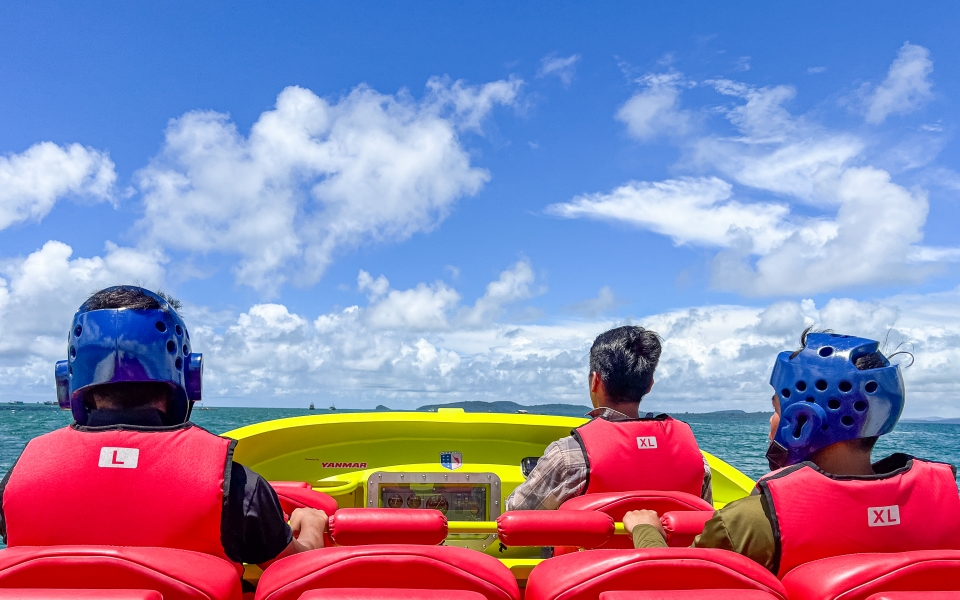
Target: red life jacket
{"points": [[815, 515], [120, 486], [656, 453]]}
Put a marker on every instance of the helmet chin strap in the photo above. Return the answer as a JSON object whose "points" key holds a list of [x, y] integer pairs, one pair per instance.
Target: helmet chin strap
{"points": [[777, 456]]}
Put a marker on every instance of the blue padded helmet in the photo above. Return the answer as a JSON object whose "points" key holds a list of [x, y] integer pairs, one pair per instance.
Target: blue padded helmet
{"points": [[129, 345], [825, 398]]}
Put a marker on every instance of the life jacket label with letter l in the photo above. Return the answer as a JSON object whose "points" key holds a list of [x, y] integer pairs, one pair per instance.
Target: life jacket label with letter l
{"points": [[119, 458], [883, 516], [647, 442]]}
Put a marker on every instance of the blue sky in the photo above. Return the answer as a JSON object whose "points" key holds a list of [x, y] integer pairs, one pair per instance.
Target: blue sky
{"points": [[400, 204]]}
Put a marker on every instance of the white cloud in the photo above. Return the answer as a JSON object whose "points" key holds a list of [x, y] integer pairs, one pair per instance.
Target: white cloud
{"points": [[31, 182], [655, 109], [816, 70], [39, 294], [906, 87], [690, 211], [864, 229], [512, 286], [315, 177], [563, 68], [605, 301]]}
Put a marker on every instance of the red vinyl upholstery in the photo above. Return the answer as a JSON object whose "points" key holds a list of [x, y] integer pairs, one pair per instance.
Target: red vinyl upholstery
{"points": [[388, 567], [914, 596], [554, 528], [689, 595], [859, 576], [616, 504], [389, 594], [299, 494], [364, 526], [176, 574], [57, 594], [586, 575], [682, 526]]}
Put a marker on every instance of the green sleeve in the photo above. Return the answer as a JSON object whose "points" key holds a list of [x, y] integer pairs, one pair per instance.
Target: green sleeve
{"points": [[741, 527], [647, 536]]}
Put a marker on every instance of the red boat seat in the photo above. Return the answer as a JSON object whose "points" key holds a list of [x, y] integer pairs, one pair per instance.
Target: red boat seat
{"points": [[683, 526], [553, 527], [176, 574], [389, 594], [73, 594], [388, 567], [617, 504], [299, 494], [688, 595], [363, 526], [586, 575], [913, 596], [861, 576]]}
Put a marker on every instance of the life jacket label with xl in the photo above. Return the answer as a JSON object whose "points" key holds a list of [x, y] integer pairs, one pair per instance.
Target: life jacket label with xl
{"points": [[119, 458], [883, 516], [647, 442]]}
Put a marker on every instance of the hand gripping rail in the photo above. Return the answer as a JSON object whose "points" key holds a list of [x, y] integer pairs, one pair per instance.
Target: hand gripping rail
{"points": [[682, 526]]}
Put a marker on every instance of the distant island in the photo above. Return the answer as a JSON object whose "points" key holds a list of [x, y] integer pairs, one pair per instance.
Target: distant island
{"points": [[563, 410]]}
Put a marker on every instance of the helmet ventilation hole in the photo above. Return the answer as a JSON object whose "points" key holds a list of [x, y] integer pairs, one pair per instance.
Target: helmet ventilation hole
{"points": [[860, 406], [845, 386], [825, 351], [824, 427], [161, 326], [186, 350], [833, 404], [78, 330], [801, 386], [871, 387], [179, 363], [821, 385], [847, 420], [73, 351], [171, 346], [785, 393], [178, 330], [809, 399], [801, 421]]}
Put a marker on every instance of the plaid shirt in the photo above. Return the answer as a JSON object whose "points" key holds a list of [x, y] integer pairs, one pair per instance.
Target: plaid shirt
{"points": [[561, 473]]}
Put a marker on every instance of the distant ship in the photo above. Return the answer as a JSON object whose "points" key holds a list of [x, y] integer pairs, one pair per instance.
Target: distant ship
{"points": [[311, 406]]}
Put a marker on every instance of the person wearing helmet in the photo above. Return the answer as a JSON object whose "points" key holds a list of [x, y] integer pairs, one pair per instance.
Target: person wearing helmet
{"points": [[618, 450], [824, 497], [132, 470]]}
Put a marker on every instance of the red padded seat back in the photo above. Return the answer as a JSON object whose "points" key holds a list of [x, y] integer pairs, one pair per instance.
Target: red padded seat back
{"points": [[554, 527], [859, 576], [388, 594], [617, 504], [586, 575], [914, 596], [364, 526], [176, 574], [682, 526], [688, 595], [299, 494], [74, 594], [386, 566]]}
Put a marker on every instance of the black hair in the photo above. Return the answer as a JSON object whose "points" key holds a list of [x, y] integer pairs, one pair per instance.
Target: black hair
{"points": [[864, 362], [625, 359], [120, 296]]}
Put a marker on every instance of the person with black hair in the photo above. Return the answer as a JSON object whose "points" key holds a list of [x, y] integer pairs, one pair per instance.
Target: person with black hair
{"points": [[825, 497], [618, 450], [132, 468]]}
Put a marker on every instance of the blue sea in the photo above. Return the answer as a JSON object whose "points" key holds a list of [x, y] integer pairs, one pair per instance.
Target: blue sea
{"points": [[738, 438]]}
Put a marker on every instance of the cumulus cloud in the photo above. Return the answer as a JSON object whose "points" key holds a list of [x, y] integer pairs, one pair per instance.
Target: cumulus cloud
{"points": [[605, 301], [906, 87], [39, 294], [31, 182], [563, 68], [315, 177], [655, 109], [831, 222]]}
